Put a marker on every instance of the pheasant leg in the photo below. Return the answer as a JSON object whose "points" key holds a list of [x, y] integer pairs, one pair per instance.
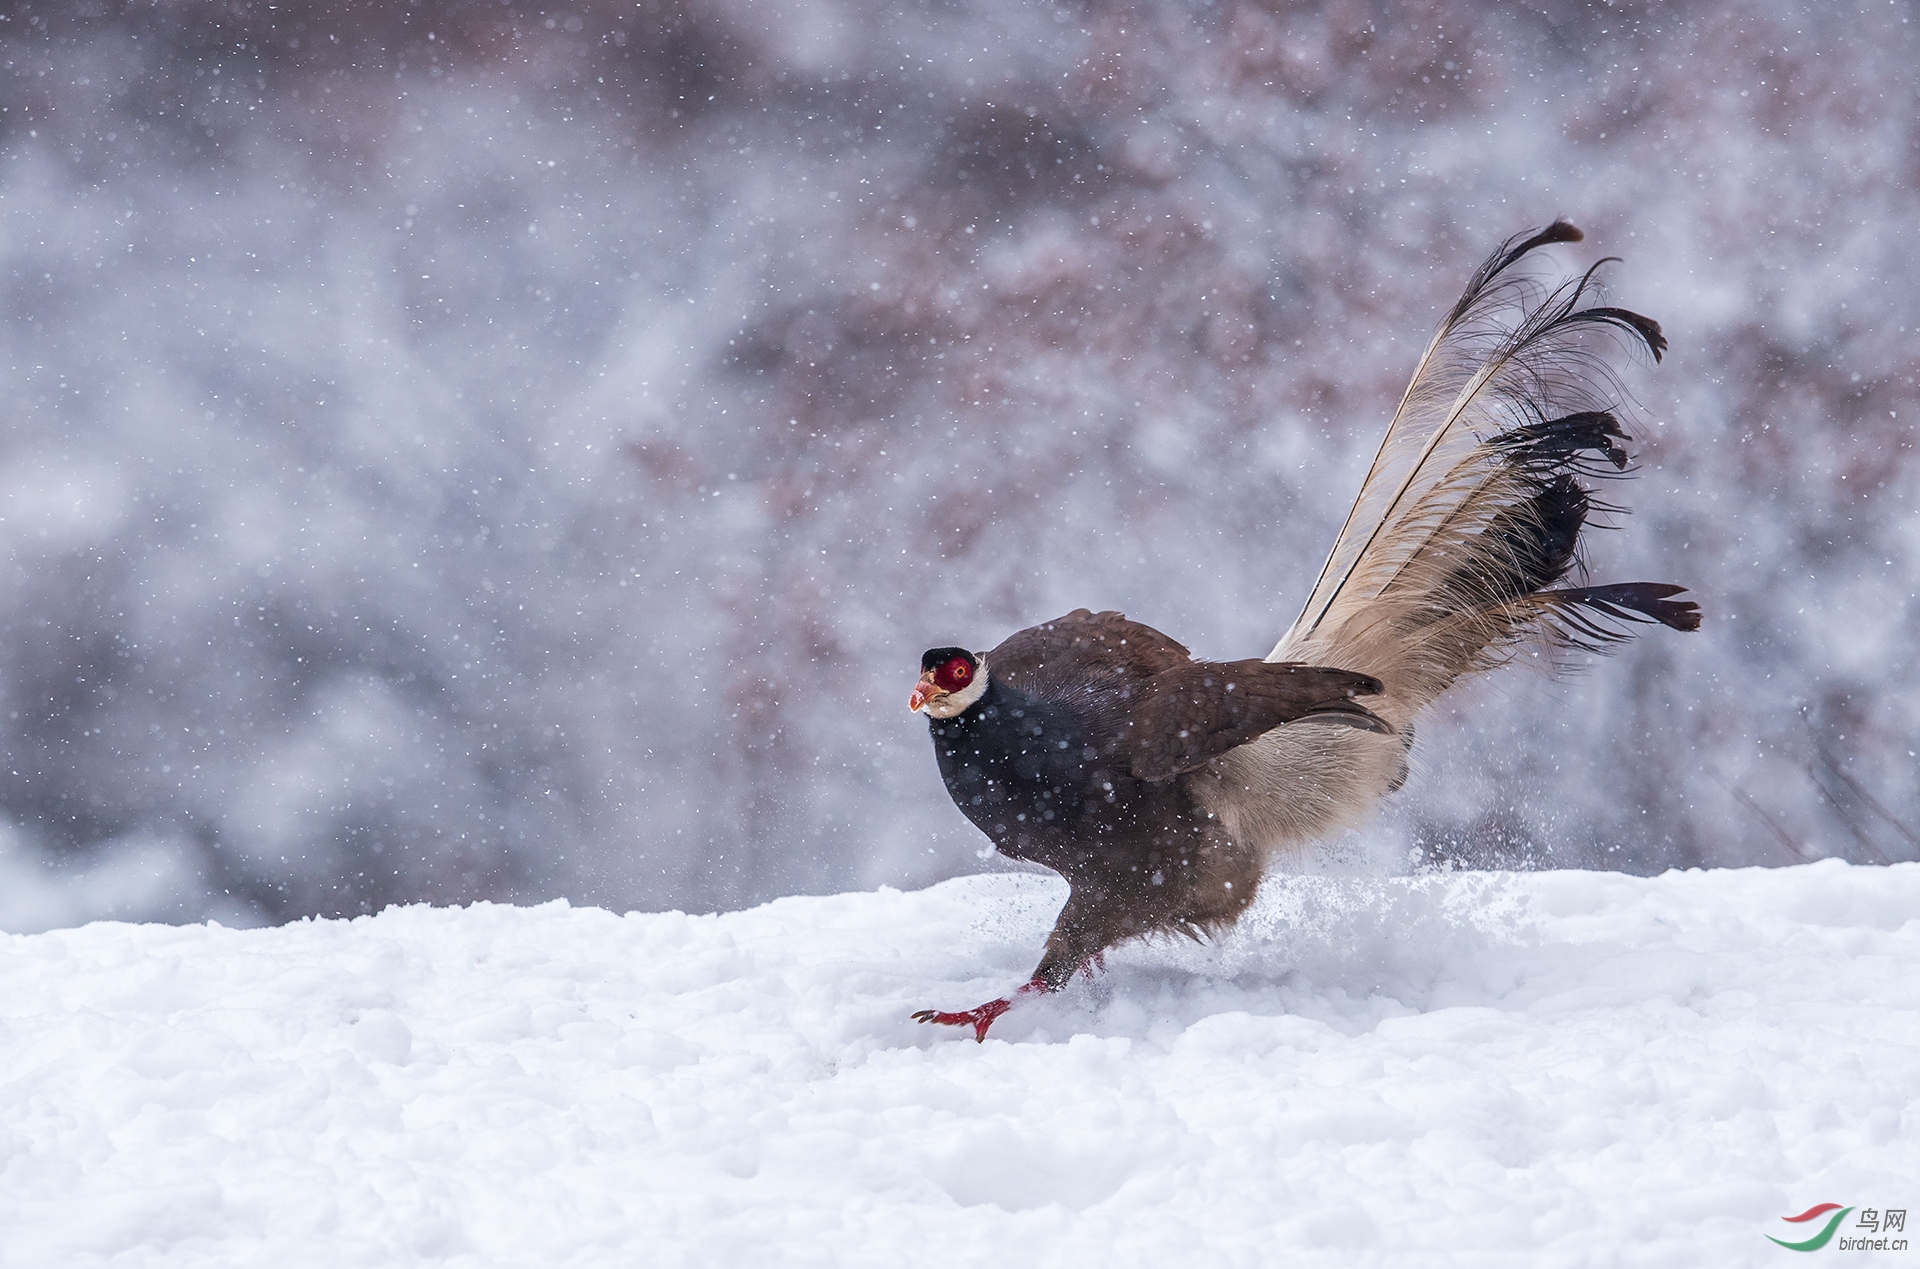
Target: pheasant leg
{"points": [[980, 1017]]}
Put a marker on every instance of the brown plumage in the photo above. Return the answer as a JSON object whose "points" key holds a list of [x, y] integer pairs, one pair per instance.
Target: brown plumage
{"points": [[1162, 788]]}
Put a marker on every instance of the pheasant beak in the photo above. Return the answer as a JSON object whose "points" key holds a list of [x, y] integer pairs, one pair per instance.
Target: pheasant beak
{"points": [[923, 691]]}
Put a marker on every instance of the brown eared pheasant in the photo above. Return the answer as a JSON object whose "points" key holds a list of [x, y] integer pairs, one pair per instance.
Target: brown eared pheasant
{"points": [[1162, 788]]}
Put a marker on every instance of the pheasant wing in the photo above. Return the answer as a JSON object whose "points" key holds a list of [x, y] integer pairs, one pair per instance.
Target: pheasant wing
{"points": [[1083, 654], [1186, 716]]}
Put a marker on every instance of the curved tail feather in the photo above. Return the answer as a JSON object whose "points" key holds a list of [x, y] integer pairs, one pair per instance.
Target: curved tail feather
{"points": [[1463, 539], [1473, 506]]}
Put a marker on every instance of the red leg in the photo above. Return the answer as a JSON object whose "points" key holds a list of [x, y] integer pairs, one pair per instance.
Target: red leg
{"points": [[980, 1017]]}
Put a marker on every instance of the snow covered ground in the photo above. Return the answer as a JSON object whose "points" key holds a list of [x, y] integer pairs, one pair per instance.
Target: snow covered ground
{"points": [[1473, 1068]]}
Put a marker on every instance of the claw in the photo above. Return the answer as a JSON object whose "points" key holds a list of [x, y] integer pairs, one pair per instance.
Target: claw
{"points": [[980, 1017]]}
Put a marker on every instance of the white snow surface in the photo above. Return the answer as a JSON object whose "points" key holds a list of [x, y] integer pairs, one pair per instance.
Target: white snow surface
{"points": [[1558, 1068]]}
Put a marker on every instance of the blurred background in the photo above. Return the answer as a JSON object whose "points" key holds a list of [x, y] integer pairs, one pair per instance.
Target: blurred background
{"points": [[468, 449]]}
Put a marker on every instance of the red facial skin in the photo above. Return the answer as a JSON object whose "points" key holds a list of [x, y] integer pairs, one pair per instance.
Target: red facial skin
{"points": [[950, 676]]}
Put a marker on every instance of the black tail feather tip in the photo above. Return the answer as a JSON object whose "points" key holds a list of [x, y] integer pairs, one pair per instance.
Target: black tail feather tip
{"points": [[1558, 231], [1639, 601], [1553, 441], [1643, 326]]}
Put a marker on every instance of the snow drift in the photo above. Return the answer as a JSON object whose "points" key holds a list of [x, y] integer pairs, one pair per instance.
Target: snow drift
{"points": [[1463, 1068]]}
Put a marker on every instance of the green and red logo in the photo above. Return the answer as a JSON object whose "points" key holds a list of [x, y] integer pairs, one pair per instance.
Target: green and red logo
{"points": [[1824, 1235], [1870, 1232]]}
